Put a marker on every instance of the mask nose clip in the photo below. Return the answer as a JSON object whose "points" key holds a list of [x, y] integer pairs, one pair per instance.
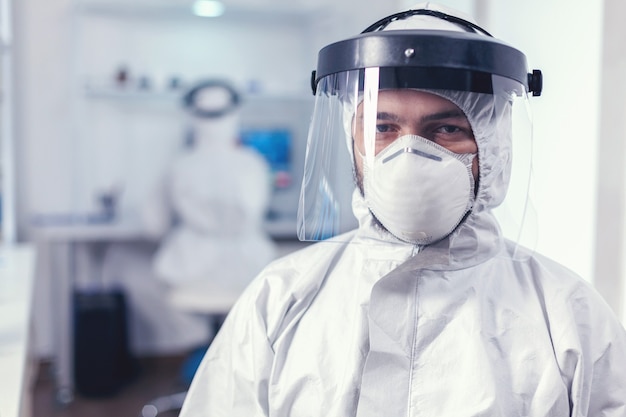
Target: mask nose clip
{"points": [[414, 152]]}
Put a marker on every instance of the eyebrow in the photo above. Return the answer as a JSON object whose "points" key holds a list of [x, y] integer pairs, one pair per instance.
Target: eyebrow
{"points": [[388, 116], [448, 114]]}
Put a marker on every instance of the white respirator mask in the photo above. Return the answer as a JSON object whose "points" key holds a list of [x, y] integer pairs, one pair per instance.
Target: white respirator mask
{"points": [[418, 190]]}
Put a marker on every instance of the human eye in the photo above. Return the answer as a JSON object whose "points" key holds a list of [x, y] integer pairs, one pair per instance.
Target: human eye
{"points": [[386, 133], [451, 132], [448, 129], [385, 128], [454, 137]]}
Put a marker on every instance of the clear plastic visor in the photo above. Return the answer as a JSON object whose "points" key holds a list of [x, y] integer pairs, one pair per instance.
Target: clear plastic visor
{"points": [[359, 114]]}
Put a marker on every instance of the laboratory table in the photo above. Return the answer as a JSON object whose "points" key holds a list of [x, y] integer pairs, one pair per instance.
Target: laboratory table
{"points": [[16, 366], [59, 247]]}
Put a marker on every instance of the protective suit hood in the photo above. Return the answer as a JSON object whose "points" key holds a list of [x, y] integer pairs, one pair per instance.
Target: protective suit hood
{"points": [[494, 146], [493, 139]]}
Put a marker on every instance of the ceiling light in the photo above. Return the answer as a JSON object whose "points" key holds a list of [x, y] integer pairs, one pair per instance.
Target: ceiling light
{"points": [[208, 8]]}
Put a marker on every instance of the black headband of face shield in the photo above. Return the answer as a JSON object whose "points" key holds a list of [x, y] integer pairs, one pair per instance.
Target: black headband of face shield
{"points": [[189, 99], [471, 55], [384, 22], [434, 78]]}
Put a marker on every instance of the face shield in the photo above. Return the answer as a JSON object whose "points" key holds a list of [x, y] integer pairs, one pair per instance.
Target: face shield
{"points": [[211, 99], [412, 131]]}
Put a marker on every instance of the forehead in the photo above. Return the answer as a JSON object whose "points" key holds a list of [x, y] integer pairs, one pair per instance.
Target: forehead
{"points": [[412, 102]]}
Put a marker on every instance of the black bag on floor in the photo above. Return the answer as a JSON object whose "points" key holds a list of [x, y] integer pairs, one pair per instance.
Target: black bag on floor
{"points": [[103, 363]]}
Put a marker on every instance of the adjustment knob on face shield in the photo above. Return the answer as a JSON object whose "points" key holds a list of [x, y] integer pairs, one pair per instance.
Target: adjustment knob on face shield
{"points": [[535, 82], [314, 82]]}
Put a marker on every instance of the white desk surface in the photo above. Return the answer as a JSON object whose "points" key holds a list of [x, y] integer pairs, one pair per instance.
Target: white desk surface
{"points": [[16, 288], [95, 232], [131, 229]]}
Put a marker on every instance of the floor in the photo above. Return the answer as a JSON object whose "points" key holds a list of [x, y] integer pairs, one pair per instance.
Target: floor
{"points": [[158, 376]]}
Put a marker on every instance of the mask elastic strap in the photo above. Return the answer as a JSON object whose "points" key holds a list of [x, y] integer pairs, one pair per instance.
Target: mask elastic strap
{"points": [[382, 23]]}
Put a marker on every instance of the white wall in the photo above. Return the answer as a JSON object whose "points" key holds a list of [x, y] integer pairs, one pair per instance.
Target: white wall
{"points": [[610, 251], [565, 119], [580, 132], [42, 53]]}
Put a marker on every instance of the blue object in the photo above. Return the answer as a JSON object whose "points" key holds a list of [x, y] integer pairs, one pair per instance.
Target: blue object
{"points": [[275, 146], [191, 364]]}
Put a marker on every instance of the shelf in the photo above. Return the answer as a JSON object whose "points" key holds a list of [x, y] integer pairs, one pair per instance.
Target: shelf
{"points": [[135, 95], [154, 95]]}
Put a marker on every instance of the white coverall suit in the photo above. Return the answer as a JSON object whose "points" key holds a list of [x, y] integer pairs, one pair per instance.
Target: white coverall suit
{"points": [[368, 325], [459, 329]]}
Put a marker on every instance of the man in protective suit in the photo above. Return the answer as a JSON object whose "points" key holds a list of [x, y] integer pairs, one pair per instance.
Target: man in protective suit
{"points": [[425, 309]]}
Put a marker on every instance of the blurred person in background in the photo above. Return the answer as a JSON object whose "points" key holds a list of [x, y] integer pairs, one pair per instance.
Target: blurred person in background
{"points": [[207, 213], [219, 193]]}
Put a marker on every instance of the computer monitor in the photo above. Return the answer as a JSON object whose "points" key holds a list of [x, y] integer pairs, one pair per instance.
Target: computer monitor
{"points": [[275, 145]]}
